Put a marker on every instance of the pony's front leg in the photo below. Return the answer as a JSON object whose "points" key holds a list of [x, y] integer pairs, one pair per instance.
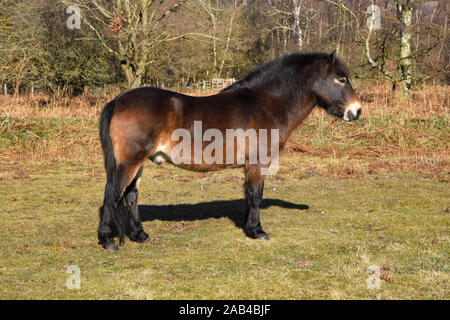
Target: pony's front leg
{"points": [[254, 187]]}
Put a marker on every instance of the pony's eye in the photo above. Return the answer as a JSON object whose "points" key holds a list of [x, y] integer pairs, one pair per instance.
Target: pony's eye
{"points": [[342, 80]]}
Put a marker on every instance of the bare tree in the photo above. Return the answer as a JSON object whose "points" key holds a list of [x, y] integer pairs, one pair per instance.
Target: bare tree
{"points": [[223, 19], [293, 17], [394, 44], [129, 29]]}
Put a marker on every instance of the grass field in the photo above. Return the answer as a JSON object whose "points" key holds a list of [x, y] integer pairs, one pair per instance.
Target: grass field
{"points": [[347, 196]]}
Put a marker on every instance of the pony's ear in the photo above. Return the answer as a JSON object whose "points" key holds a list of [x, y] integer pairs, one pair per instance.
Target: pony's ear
{"points": [[332, 57]]}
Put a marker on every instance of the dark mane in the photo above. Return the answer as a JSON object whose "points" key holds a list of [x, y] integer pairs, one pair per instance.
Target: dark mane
{"points": [[278, 66]]}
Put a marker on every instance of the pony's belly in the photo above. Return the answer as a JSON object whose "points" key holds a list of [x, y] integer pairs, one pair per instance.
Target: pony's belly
{"points": [[163, 153], [160, 157]]}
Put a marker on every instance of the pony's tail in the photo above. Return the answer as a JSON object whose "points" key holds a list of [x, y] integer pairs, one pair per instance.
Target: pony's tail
{"points": [[113, 201]]}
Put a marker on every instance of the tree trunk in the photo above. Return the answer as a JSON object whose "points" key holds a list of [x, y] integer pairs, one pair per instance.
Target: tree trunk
{"points": [[134, 79], [297, 28], [404, 13]]}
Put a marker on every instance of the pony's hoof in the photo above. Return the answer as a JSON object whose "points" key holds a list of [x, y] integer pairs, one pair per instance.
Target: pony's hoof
{"points": [[257, 234], [112, 247], [263, 236], [141, 238]]}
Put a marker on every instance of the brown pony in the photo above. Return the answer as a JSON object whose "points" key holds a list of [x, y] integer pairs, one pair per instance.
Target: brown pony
{"points": [[139, 124]]}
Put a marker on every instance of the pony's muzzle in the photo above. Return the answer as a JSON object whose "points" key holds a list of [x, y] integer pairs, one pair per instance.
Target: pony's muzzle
{"points": [[352, 112]]}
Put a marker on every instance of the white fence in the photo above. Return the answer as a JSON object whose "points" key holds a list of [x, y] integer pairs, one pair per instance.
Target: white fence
{"points": [[217, 83], [213, 84]]}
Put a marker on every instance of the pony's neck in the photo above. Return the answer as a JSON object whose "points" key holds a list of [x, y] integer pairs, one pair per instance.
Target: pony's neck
{"points": [[290, 108], [297, 112], [301, 109]]}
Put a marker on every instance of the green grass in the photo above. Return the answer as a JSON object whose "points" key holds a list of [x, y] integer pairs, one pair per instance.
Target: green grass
{"points": [[49, 217]]}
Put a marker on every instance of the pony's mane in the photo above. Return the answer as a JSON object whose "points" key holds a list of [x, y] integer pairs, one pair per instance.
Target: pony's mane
{"points": [[279, 64]]}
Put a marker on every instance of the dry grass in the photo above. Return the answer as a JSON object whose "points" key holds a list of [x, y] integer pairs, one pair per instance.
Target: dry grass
{"points": [[393, 134], [378, 98]]}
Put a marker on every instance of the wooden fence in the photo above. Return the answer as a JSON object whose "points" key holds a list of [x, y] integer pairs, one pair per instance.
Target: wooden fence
{"points": [[213, 84]]}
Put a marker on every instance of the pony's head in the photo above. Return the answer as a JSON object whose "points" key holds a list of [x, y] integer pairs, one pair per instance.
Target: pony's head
{"points": [[333, 90]]}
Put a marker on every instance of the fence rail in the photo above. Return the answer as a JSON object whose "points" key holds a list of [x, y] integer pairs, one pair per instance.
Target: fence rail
{"points": [[213, 84]]}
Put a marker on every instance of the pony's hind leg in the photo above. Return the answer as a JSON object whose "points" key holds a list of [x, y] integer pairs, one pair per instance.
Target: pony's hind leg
{"points": [[135, 230], [107, 229], [114, 216], [254, 186]]}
